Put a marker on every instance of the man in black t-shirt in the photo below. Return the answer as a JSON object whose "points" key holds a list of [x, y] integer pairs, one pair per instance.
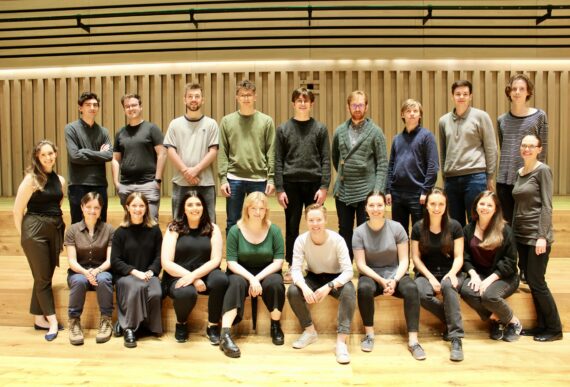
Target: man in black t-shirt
{"points": [[138, 156]]}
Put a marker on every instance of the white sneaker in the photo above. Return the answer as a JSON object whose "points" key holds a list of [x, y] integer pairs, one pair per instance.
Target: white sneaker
{"points": [[342, 356], [305, 339]]}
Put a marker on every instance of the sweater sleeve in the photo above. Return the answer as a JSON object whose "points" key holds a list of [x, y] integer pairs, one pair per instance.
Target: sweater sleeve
{"points": [[118, 262], [223, 153], [442, 145], [346, 273], [298, 259], [155, 265], [278, 244], [432, 163], [544, 178], [391, 166], [270, 151], [335, 151], [279, 159], [232, 244], [325, 158], [468, 231], [84, 156], [542, 129], [490, 144]]}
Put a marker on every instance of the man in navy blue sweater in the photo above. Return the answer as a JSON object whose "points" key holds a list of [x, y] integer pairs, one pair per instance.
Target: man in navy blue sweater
{"points": [[413, 166]]}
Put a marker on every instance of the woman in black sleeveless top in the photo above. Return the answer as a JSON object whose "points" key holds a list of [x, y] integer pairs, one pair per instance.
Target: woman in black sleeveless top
{"points": [[38, 220], [191, 257]]}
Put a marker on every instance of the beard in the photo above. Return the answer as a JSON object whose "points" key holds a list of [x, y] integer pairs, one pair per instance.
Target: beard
{"points": [[193, 108]]}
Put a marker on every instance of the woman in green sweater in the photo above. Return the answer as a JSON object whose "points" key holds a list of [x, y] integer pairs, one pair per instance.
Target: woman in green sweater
{"points": [[254, 252]]}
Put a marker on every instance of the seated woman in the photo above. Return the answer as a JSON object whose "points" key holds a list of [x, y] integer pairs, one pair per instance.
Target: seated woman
{"points": [[437, 253], [135, 259], [254, 252], [381, 253], [329, 272], [191, 257], [88, 246], [490, 258]]}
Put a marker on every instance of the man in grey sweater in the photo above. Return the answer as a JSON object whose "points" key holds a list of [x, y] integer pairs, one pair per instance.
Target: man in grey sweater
{"points": [[468, 152], [302, 165]]}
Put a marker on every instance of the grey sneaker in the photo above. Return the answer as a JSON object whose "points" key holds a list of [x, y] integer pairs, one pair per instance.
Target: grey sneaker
{"points": [[417, 351], [367, 343], [512, 332], [305, 339], [75, 331], [341, 352], [496, 330], [456, 350]]}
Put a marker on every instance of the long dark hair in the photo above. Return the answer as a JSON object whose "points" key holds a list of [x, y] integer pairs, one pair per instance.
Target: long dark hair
{"points": [[446, 240], [493, 234], [181, 226], [39, 176]]}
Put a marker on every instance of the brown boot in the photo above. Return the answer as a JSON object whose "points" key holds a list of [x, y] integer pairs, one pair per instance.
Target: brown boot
{"points": [[75, 331], [105, 330]]}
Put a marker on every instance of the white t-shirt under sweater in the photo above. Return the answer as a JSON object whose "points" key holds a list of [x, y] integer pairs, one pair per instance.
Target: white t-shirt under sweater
{"points": [[330, 257]]}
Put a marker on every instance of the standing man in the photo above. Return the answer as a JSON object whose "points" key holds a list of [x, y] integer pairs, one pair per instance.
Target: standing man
{"points": [[192, 143], [359, 156], [413, 166], [468, 152], [138, 156], [88, 149], [302, 166], [246, 158]]}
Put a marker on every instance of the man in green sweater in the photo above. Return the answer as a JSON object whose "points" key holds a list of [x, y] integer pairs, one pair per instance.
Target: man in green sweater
{"points": [[359, 156], [246, 156]]}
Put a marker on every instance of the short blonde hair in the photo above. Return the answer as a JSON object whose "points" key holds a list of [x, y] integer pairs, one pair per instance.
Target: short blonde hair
{"points": [[249, 201], [315, 206], [356, 93], [411, 103]]}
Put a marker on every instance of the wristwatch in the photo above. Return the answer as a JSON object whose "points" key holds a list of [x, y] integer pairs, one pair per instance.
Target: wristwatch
{"points": [[331, 285], [159, 181]]}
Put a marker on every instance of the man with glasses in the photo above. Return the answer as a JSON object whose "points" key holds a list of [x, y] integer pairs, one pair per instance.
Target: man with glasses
{"points": [[138, 156], [302, 166], [468, 152], [359, 156], [192, 143], [246, 157], [88, 149]]}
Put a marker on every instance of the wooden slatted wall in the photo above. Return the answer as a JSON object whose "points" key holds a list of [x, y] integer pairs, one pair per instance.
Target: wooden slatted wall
{"points": [[33, 107]]}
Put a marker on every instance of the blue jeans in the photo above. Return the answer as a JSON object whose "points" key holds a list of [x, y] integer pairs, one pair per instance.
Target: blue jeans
{"points": [[78, 287], [76, 192], [404, 205], [239, 189], [461, 192]]}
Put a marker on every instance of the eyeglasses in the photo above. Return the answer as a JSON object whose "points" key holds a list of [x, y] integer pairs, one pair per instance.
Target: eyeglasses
{"points": [[355, 106], [529, 146], [134, 105], [245, 96]]}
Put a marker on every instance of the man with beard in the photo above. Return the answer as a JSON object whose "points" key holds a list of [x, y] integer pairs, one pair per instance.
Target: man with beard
{"points": [[359, 156], [138, 156], [192, 146]]}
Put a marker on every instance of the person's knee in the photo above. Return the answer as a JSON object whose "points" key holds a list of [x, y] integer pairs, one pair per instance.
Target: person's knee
{"points": [[487, 298], [294, 292], [366, 289], [78, 282]]}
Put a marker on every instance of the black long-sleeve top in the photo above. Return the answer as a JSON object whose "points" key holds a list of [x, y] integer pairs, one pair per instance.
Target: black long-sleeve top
{"points": [[136, 247], [505, 261]]}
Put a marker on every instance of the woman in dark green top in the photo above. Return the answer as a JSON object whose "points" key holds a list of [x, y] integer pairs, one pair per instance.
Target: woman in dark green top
{"points": [[254, 252]]}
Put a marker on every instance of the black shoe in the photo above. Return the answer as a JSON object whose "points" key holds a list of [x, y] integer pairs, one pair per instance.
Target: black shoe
{"points": [[181, 333], [512, 332], [548, 336], [445, 336], [532, 331], [130, 339], [277, 336], [117, 329], [213, 333], [227, 345], [496, 330], [456, 353], [38, 328]]}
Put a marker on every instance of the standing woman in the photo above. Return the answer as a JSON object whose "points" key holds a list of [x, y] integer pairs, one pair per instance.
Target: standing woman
{"points": [[532, 225], [135, 259], [381, 254], [512, 126], [191, 257], [490, 258], [254, 252], [88, 246], [437, 252], [38, 220]]}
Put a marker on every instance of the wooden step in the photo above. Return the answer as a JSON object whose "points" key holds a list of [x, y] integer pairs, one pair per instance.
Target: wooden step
{"points": [[16, 287]]}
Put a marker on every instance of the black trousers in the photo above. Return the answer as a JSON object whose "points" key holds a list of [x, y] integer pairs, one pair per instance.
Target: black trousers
{"points": [[505, 194], [346, 216]]}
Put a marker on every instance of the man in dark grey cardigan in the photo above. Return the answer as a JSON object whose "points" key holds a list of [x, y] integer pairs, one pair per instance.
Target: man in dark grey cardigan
{"points": [[359, 156], [302, 165]]}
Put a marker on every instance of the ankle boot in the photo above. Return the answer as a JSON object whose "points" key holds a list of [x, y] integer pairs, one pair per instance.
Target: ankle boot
{"points": [[277, 336], [227, 344], [75, 331]]}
